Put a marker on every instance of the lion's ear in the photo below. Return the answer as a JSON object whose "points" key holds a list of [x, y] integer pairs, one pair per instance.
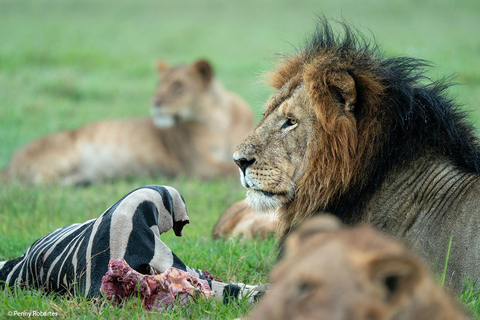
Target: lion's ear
{"points": [[309, 228], [343, 89], [205, 70], [397, 276], [162, 66], [319, 223]]}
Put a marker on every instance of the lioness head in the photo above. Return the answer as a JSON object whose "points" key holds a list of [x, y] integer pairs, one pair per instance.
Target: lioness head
{"points": [[315, 139], [333, 273], [179, 92]]}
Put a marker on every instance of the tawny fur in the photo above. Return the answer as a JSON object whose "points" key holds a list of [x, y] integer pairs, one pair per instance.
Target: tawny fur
{"points": [[195, 126], [364, 138], [240, 220], [355, 274]]}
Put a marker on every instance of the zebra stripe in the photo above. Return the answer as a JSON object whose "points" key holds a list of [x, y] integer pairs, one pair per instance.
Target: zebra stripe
{"points": [[77, 256]]}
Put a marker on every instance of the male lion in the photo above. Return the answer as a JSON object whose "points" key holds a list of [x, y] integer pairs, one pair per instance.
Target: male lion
{"points": [[364, 275], [196, 124], [368, 139]]}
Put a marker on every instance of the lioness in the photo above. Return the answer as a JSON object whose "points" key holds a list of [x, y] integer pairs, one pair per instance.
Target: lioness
{"points": [[196, 124], [364, 138], [240, 220], [355, 274]]}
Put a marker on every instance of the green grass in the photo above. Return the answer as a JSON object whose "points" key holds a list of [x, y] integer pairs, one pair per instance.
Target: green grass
{"points": [[66, 63], [445, 267]]}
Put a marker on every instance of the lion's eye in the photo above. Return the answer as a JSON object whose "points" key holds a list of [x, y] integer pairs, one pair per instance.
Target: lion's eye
{"points": [[289, 122], [305, 289]]}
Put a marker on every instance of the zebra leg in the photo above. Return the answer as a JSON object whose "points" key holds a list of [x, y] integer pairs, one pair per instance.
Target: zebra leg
{"points": [[228, 292]]}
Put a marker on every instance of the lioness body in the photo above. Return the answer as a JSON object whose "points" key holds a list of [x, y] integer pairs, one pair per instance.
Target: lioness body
{"points": [[198, 142], [360, 136], [356, 274], [116, 148], [240, 220]]}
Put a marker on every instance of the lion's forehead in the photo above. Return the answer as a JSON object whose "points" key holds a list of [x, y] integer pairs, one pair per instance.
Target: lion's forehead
{"points": [[180, 73], [285, 99]]}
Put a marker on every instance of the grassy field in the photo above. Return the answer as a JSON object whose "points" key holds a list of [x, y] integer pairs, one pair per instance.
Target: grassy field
{"points": [[66, 63]]}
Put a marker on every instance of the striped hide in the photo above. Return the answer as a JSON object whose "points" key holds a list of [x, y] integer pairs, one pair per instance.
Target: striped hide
{"points": [[75, 257]]}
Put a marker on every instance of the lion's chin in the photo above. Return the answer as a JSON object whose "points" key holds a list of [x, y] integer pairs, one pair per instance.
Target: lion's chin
{"points": [[263, 201], [164, 122], [162, 119]]}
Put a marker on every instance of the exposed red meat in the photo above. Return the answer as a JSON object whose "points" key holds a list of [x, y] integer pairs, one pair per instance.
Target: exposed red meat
{"points": [[210, 276], [157, 291]]}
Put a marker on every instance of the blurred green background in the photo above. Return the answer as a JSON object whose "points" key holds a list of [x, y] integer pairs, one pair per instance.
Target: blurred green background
{"points": [[66, 63]]}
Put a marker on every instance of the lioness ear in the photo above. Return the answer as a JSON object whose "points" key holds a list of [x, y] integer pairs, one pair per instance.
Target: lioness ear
{"points": [[162, 66], [342, 87], [205, 70], [397, 276]]}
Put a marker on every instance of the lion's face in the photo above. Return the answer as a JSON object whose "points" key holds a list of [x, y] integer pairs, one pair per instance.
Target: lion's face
{"points": [[179, 92], [315, 139], [273, 157], [331, 273]]}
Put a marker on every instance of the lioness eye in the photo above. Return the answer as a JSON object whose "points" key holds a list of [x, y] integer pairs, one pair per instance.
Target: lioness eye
{"points": [[176, 86], [290, 122]]}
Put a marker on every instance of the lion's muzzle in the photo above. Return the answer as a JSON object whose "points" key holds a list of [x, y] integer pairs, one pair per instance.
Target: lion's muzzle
{"points": [[244, 163]]}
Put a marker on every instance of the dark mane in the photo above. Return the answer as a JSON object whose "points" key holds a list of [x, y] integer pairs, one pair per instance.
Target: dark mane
{"points": [[426, 116], [420, 117], [325, 39]]}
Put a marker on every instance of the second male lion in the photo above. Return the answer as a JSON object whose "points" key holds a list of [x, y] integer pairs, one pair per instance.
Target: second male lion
{"points": [[196, 124]]}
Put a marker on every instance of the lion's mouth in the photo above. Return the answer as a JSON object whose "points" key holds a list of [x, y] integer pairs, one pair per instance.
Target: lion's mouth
{"points": [[266, 193], [250, 185], [163, 118]]}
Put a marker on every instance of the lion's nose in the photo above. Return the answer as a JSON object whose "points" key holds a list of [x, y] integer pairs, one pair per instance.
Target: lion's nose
{"points": [[158, 102], [244, 163]]}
